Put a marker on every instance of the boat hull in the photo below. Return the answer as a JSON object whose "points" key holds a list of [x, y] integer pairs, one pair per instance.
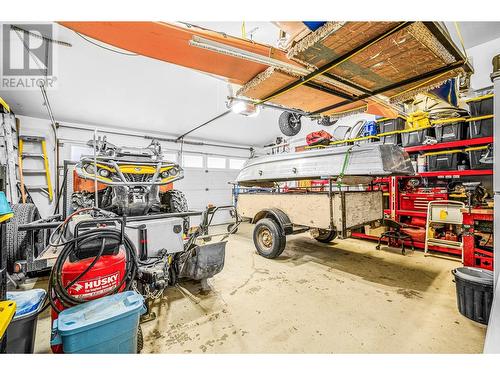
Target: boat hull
{"points": [[373, 159]]}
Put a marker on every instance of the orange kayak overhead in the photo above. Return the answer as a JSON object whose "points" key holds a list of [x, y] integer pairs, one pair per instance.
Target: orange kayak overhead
{"points": [[170, 43]]}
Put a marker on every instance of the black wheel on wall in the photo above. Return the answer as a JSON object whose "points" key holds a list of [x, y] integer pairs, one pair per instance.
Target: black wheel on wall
{"points": [[290, 123], [326, 236], [175, 201], [268, 238]]}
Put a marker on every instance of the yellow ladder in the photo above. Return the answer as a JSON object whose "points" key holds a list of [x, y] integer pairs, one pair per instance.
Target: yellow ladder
{"points": [[23, 171]]}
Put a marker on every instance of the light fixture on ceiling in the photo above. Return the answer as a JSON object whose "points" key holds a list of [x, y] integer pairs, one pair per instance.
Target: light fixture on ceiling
{"points": [[244, 108]]}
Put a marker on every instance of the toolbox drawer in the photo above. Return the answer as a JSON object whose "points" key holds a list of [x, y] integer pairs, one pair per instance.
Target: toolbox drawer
{"points": [[419, 201]]}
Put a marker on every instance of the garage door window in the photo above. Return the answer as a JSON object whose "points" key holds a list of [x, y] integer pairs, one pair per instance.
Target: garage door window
{"points": [[78, 151], [236, 163], [192, 161], [216, 162], [170, 157]]}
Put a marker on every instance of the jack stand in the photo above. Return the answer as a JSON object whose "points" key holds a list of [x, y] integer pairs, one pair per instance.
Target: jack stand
{"points": [[149, 315]]}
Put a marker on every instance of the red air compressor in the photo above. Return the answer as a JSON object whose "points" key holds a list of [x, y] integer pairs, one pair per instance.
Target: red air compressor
{"points": [[98, 260]]}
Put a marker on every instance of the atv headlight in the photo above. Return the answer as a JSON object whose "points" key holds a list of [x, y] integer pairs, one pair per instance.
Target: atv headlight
{"points": [[173, 171], [165, 174], [89, 168], [104, 173]]}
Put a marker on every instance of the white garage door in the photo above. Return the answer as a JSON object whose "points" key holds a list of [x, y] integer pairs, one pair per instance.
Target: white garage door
{"points": [[206, 185]]}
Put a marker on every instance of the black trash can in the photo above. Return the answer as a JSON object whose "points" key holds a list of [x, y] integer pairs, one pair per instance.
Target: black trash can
{"points": [[474, 292], [22, 330]]}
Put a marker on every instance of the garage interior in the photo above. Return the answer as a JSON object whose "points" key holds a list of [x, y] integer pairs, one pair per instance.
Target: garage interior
{"points": [[255, 187]]}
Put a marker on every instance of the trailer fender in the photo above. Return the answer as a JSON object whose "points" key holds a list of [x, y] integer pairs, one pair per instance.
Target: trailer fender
{"points": [[277, 215]]}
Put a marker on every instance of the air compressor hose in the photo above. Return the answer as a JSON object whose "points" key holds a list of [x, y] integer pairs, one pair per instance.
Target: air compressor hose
{"points": [[57, 291]]}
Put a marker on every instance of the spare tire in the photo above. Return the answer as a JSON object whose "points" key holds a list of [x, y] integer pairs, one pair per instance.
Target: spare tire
{"points": [[290, 123]]}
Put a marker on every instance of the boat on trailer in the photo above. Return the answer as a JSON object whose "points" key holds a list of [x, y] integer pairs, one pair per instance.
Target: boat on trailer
{"points": [[366, 160]]}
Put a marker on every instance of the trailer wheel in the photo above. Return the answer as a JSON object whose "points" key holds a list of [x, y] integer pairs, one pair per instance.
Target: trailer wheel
{"points": [[326, 236], [268, 238], [289, 123]]}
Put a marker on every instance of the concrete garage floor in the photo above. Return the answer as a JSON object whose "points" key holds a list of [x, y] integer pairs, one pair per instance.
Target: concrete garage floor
{"points": [[344, 297]]}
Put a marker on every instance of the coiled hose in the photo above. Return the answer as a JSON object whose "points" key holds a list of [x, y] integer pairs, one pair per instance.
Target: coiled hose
{"points": [[57, 291]]}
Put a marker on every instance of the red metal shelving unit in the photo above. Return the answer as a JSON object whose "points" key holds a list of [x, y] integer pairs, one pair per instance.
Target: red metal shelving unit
{"points": [[467, 172], [474, 257], [453, 144]]}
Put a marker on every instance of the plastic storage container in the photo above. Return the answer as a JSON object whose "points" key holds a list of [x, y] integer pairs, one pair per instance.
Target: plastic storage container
{"points": [[481, 126], [414, 138], [105, 325], [445, 160], [474, 292], [22, 330], [450, 130], [476, 154], [389, 125], [480, 106]]}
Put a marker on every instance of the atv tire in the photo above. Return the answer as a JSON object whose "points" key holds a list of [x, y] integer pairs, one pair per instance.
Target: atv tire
{"points": [[140, 339], [18, 242], [175, 201], [290, 123]]}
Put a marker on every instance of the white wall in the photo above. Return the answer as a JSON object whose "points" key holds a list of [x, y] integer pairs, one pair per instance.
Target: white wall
{"points": [[70, 136], [481, 56]]}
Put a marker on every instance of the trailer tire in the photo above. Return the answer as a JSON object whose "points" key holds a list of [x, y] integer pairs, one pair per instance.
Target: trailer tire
{"points": [[326, 236], [268, 238]]}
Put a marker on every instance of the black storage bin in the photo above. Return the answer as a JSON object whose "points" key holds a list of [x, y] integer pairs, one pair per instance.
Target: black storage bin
{"points": [[445, 161], [474, 292], [481, 126], [481, 106], [21, 334], [389, 125], [450, 131], [22, 329], [475, 155], [415, 138]]}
